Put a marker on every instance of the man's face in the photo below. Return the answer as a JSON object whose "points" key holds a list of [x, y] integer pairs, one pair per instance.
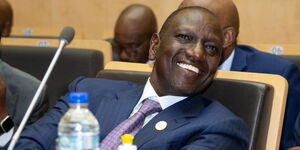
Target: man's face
{"points": [[187, 54], [133, 44]]}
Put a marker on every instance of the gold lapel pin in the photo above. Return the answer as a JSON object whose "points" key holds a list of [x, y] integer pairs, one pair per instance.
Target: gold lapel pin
{"points": [[161, 125]]}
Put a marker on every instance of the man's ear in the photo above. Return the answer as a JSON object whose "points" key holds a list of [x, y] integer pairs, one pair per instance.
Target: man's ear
{"points": [[6, 29], [229, 36], [154, 46]]}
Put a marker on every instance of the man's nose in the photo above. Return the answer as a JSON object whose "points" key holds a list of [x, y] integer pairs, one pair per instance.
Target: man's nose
{"points": [[196, 52]]}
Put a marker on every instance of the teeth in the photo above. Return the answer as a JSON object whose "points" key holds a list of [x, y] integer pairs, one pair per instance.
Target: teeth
{"points": [[188, 67]]}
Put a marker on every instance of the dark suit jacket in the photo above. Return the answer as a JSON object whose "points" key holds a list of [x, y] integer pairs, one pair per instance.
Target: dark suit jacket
{"points": [[194, 123], [248, 59], [20, 89], [297, 130]]}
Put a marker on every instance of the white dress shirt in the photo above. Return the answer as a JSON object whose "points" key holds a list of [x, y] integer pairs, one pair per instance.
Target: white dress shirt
{"points": [[150, 62], [226, 65], [164, 101], [4, 138]]}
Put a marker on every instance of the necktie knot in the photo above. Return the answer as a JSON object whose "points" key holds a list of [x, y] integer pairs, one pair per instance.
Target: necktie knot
{"points": [[149, 107], [131, 125]]}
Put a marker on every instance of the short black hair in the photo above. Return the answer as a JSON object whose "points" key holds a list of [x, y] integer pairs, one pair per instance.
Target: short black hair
{"points": [[172, 16]]}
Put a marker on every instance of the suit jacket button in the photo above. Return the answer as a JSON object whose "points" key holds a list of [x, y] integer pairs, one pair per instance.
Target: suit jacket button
{"points": [[161, 125]]}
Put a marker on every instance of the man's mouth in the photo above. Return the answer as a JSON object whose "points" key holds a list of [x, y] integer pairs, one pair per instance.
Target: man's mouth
{"points": [[188, 67]]}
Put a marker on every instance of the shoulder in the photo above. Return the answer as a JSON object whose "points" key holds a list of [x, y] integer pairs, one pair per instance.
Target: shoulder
{"points": [[15, 78], [258, 61], [222, 120], [259, 55], [217, 112], [99, 84], [216, 122], [83, 82], [211, 113]]}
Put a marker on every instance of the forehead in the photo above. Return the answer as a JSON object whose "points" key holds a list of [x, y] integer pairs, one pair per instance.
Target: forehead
{"points": [[131, 34], [132, 29], [199, 21]]}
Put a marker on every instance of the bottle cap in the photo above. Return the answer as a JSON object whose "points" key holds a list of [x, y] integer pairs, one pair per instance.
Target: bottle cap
{"points": [[78, 97], [127, 139]]}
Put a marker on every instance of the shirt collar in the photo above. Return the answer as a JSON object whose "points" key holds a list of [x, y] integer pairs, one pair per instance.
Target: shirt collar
{"points": [[226, 65], [164, 101]]}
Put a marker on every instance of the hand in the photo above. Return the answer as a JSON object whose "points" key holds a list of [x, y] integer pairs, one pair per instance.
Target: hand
{"points": [[3, 110]]}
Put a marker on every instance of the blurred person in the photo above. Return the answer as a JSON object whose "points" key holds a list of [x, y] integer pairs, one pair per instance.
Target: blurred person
{"points": [[6, 17], [187, 53], [248, 59], [17, 89], [133, 31]]}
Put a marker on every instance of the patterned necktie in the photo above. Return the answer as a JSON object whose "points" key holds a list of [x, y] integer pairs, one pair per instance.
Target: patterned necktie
{"points": [[131, 125]]}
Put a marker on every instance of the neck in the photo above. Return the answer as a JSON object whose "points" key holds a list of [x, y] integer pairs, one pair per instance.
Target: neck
{"points": [[227, 52]]}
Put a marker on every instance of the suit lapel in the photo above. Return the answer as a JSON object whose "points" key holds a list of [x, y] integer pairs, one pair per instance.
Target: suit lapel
{"points": [[239, 62], [119, 109], [176, 116]]}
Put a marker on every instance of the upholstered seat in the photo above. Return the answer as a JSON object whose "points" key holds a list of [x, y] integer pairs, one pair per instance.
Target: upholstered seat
{"points": [[71, 64]]}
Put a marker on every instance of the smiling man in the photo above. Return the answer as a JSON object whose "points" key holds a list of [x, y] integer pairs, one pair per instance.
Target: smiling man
{"points": [[248, 59], [172, 114]]}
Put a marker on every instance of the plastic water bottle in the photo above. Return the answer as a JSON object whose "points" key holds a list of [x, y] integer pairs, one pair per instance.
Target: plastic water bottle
{"points": [[127, 143], [78, 129]]}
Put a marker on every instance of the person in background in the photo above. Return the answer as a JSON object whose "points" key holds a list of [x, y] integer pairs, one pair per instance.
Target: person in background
{"points": [[6, 16], [133, 31], [17, 89], [248, 59], [169, 112]]}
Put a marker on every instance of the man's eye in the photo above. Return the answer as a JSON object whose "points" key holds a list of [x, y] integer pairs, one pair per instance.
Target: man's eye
{"points": [[211, 49], [184, 37]]}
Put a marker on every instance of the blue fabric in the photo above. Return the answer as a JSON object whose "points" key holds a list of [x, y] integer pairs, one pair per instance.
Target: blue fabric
{"points": [[297, 128], [194, 123], [248, 59]]}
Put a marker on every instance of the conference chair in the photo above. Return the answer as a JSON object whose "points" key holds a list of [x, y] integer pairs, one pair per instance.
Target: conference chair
{"points": [[71, 64], [103, 46], [293, 58], [40, 32], [259, 99]]}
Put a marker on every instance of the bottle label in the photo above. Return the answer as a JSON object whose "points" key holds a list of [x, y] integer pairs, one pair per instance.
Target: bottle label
{"points": [[78, 142]]}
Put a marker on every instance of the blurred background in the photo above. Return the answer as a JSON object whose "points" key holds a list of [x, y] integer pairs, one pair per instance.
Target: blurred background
{"points": [[262, 21]]}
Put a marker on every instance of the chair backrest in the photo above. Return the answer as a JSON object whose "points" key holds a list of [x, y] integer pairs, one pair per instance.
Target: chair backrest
{"points": [[71, 64], [259, 99], [39, 32], [293, 58], [103, 46]]}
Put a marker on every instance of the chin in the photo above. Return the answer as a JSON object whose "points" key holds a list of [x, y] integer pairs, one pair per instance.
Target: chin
{"points": [[182, 91]]}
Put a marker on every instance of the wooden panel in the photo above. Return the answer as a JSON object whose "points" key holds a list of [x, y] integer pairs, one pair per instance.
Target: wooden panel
{"points": [[115, 65], [41, 32], [93, 17], [278, 83], [262, 21], [269, 21], [100, 45]]}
